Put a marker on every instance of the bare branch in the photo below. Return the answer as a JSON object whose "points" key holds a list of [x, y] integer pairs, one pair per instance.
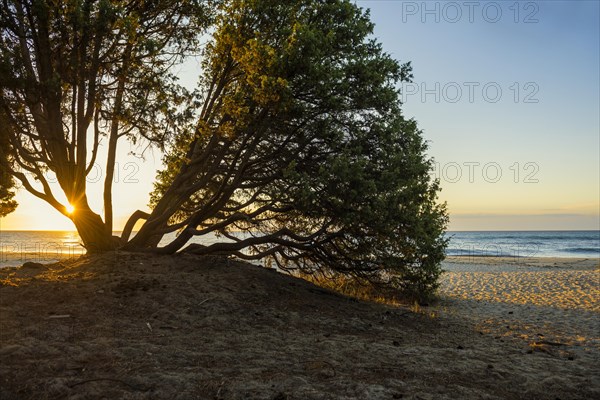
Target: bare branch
{"points": [[133, 219]]}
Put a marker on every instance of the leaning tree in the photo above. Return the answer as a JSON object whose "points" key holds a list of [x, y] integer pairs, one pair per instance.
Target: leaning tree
{"points": [[293, 148]]}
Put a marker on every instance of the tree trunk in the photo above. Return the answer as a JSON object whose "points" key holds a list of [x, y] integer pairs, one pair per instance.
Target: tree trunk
{"points": [[92, 231]]}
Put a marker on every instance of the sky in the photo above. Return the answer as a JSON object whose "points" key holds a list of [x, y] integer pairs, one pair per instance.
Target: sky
{"points": [[507, 94]]}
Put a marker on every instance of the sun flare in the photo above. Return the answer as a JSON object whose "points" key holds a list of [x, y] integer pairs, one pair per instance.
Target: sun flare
{"points": [[70, 208]]}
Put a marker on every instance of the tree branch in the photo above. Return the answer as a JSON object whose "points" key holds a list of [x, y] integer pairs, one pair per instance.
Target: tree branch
{"points": [[133, 219]]}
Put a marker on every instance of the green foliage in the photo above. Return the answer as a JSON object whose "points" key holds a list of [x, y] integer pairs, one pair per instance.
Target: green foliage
{"points": [[301, 145], [7, 183], [79, 76], [293, 147], [78, 52]]}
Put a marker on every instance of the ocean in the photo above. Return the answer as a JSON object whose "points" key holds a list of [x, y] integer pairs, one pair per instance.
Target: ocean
{"points": [[568, 244], [17, 247]]}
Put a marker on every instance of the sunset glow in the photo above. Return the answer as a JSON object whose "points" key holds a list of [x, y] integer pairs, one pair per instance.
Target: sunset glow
{"points": [[309, 198]]}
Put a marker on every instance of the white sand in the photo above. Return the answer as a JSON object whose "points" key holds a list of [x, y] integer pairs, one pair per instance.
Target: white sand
{"points": [[549, 303]]}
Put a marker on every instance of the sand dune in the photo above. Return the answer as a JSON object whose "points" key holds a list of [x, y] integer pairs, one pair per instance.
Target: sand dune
{"points": [[131, 326]]}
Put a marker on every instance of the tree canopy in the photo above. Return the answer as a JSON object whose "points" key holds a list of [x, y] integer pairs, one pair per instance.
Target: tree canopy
{"points": [[293, 148], [7, 183], [76, 72]]}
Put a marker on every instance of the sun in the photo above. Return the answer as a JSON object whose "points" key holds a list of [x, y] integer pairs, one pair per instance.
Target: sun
{"points": [[70, 208]]}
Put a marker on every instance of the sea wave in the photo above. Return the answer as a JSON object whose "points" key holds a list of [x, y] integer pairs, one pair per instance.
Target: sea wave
{"points": [[529, 239], [470, 252], [582, 250]]}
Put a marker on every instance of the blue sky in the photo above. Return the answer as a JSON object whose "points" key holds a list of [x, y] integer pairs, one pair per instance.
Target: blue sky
{"points": [[541, 133], [527, 158]]}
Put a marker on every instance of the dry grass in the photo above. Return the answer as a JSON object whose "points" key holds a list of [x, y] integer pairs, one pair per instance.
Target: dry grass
{"points": [[363, 289]]}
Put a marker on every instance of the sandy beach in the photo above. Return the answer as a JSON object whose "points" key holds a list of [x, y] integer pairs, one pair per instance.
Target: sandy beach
{"points": [[137, 327], [553, 304], [16, 259]]}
